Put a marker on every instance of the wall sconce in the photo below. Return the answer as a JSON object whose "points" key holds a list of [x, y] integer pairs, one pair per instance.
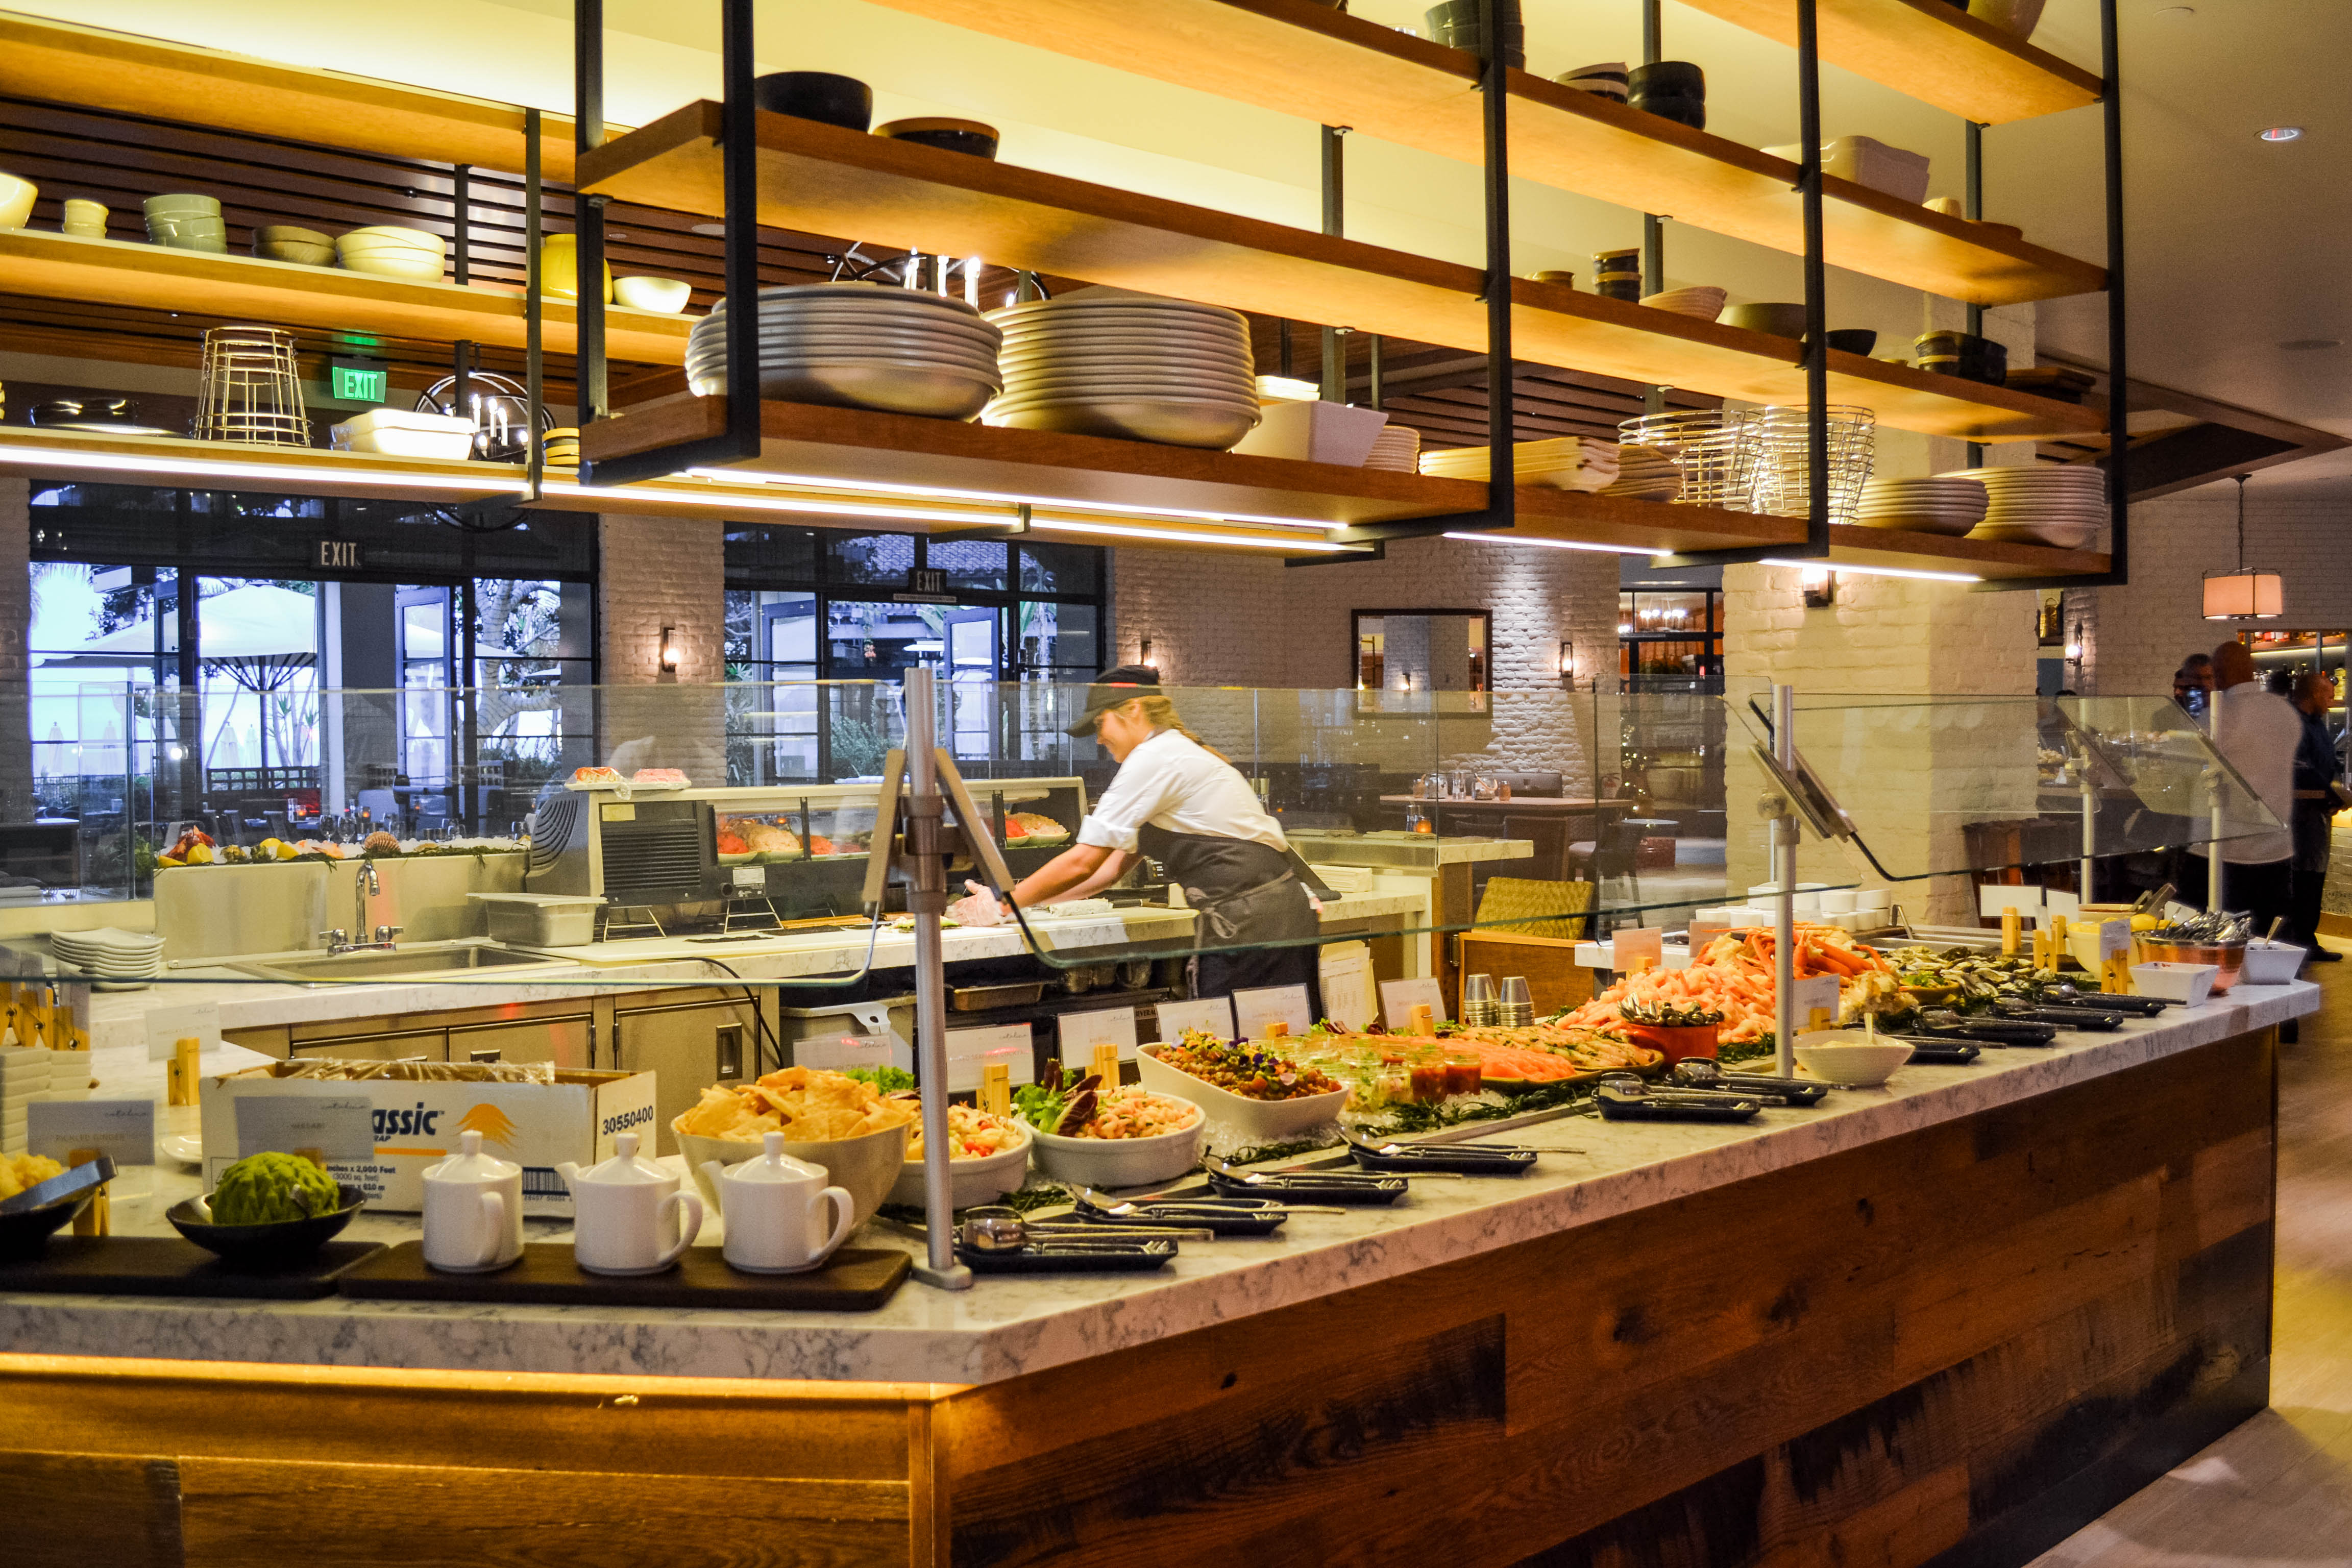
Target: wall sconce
{"points": [[668, 656], [2075, 644], [1820, 586], [1144, 656], [1566, 661]]}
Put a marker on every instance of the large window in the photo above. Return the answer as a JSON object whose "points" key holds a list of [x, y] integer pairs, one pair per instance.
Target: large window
{"points": [[806, 606], [1671, 641]]}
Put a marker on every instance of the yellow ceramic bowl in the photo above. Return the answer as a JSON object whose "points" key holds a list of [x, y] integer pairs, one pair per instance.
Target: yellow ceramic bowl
{"points": [[662, 296], [16, 201], [427, 269], [391, 234]]}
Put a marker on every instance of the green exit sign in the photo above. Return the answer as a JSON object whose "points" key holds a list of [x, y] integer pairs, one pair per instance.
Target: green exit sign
{"points": [[360, 382]]}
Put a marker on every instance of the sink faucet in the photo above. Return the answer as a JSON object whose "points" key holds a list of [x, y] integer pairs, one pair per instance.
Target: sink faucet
{"points": [[365, 883]]}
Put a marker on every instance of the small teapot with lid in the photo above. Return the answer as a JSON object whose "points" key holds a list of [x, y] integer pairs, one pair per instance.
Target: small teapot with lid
{"points": [[625, 1212], [473, 1211], [773, 1206]]}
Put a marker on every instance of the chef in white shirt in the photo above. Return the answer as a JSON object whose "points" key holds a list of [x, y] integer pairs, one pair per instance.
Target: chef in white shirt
{"points": [[1186, 806], [2256, 734]]}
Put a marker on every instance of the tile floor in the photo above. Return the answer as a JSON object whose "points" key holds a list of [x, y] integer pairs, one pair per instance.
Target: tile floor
{"points": [[2277, 1491]]}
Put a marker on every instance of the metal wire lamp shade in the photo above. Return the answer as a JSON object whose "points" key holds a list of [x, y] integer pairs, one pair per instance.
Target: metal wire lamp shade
{"points": [[251, 390]]}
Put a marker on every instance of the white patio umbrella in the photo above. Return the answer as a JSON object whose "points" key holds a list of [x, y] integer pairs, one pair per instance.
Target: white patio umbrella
{"points": [[260, 634]]}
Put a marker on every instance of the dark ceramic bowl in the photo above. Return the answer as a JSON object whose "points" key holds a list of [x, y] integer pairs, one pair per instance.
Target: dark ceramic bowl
{"points": [[1852, 340], [841, 100], [24, 1233], [968, 137], [1690, 112], [263, 1245], [1678, 78], [1782, 320]]}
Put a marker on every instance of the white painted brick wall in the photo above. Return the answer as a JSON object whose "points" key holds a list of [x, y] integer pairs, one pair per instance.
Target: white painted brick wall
{"points": [[656, 571], [15, 626]]}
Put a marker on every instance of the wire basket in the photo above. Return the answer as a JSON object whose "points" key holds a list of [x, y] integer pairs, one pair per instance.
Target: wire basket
{"points": [[1714, 451], [251, 390], [1783, 473]]}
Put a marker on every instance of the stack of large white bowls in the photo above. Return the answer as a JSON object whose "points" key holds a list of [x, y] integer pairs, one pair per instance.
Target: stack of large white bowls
{"points": [[390, 251], [1948, 505], [2060, 505], [1133, 366], [859, 345], [118, 960]]}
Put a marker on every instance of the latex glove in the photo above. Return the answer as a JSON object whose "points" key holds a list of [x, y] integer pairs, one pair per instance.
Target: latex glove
{"points": [[979, 908]]}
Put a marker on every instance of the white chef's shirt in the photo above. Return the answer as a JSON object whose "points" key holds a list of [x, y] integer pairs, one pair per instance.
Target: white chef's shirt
{"points": [[2257, 732], [1171, 782]]}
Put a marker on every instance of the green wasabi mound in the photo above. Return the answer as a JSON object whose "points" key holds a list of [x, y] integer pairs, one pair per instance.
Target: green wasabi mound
{"points": [[264, 1189]]}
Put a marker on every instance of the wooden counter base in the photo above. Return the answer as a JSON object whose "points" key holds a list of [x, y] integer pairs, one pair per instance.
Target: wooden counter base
{"points": [[1948, 1347]]}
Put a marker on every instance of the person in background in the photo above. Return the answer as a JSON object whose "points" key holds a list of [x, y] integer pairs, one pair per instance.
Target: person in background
{"points": [[2192, 685], [2282, 683], [2258, 734], [2319, 795]]}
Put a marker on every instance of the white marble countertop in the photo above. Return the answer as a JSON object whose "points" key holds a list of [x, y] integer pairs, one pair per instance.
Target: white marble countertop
{"points": [[1005, 1327], [118, 1018]]}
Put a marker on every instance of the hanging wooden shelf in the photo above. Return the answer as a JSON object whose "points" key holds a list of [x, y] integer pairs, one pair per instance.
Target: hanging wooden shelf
{"points": [[1939, 552], [284, 293], [91, 68], [1165, 487], [1328, 68], [90, 457], [825, 180], [1928, 50]]}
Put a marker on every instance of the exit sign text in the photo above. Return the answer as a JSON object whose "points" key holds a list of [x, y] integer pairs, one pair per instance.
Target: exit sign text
{"points": [[360, 382]]}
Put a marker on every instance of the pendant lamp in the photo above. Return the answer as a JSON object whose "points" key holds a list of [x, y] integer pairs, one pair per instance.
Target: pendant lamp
{"points": [[2244, 595]]}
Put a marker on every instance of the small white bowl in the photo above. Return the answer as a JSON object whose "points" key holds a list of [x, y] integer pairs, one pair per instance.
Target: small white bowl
{"points": [[2186, 984], [1273, 1119], [2271, 962], [662, 296], [1850, 1056], [1114, 1163], [970, 1182]]}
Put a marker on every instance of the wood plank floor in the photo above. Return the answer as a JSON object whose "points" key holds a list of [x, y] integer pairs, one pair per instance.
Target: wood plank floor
{"points": [[2278, 1491]]}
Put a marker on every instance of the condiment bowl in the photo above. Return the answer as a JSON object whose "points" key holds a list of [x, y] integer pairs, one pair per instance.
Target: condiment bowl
{"points": [[1123, 1162], [262, 1246], [971, 1182], [1850, 1056]]}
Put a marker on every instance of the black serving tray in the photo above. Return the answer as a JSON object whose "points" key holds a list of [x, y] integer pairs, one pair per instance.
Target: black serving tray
{"points": [[1461, 1159], [1071, 1257], [167, 1266], [1800, 1092], [854, 1279], [1203, 1211], [1990, 1032], [2067, 1017], [1943, 1053], [1305, 1186], [1677, 1105], [2101, 1002]]}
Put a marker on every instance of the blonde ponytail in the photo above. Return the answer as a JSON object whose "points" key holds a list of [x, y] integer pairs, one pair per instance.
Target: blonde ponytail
{"points": [[1160, 714]]}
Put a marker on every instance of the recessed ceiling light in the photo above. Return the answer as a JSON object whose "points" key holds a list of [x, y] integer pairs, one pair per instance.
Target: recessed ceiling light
{"points": [[715, 230], [2305, 345], [2282, 133]]}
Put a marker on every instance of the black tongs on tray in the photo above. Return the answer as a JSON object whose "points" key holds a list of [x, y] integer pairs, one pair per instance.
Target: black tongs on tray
{"points": [[1461, 1159], [1309, 1186], [1224, 1217], [1698, 1072], [1931, 1052], [1634, 1101]]}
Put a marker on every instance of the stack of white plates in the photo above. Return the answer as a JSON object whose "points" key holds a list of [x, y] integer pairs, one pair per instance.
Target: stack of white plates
{"points": [[1645, 473], [1136, 366], [1397, 448], [1948, 505], [2046, 504], [859, 345], [118, 960], [1562, 463], [24, 1077]]}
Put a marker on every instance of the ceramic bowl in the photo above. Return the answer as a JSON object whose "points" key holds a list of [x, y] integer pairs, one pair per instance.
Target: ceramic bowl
{"points": [[1850, 1056], [968, 137], [1849, 340], [2272, 962], [262, 1246], [287, 250], [866, 1168], [85, 218], [26, 1232], [289, 234], [393, 233], [1690, 112], [1703, 303], [841, 100], [15, 200], [427, 269], [970, 1182], [662, 296], [1782, 320], [188, 206], [1271, 1119], [2229, 960], [1114, 1163]]}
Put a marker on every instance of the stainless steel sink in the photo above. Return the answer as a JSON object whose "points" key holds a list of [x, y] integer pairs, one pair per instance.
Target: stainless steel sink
{"points": [[401, 962]]}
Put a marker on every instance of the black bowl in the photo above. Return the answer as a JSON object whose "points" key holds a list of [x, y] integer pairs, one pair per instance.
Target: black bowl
{"points": [[1852, 340], [968, 137], [24, 1233], [1679, 77], [264, 1245], [1690, 112], [841, 100]]}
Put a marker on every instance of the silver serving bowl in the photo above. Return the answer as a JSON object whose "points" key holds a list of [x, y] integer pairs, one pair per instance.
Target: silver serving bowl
{"points": [[891, 389], [1171, 422]]}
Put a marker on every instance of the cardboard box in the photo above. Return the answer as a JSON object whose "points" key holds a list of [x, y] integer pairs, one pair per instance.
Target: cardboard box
{"points": [[537, 1125]]}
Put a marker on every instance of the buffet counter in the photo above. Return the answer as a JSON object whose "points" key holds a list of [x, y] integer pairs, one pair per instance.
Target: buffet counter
{"points": [[1971, 1306]]}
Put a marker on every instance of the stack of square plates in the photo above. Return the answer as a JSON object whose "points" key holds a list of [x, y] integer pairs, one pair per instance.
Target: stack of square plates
{"points": [[25, 1078], [1948, 505], [1397, 448], [2060, 505], [116, 960], [1645, 473], [1103, 362], [1562, 463], [859, 345]]}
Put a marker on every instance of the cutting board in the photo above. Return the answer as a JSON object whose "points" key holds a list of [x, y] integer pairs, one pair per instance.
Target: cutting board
{"points": [[170, 1266], [856, 1279]]}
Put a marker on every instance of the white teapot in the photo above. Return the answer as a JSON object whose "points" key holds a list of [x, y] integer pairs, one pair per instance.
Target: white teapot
{"points": [[473, 1210], [625, 1212], [773, 1207]]}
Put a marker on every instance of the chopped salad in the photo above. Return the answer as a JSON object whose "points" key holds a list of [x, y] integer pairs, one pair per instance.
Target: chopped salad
{"points": [[1086, 1109], [973, 1134], [1244, 1069]]}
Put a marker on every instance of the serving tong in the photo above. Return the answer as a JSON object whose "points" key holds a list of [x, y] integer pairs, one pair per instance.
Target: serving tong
{"points": [[995, 1239], [1386, 1154], [1624, 1098], [1328, 1187], [1224, 1217], [1697, 1072]]}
